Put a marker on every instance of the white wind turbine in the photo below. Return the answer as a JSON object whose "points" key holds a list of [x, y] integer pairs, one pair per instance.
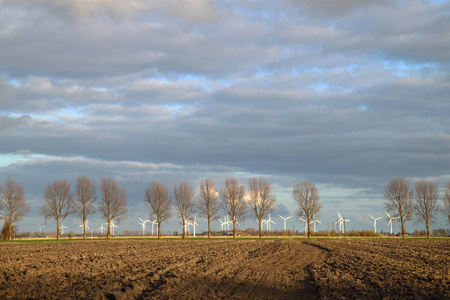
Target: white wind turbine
{"points": [[390, 221], [62, 228], [101, 228], [194, 223], [87, 227], [187, 223], [342, 223], [375, 222], [303, 220], [40, 227], [143, 225], [222, 224], [228, 223], [269, 220], [314, 221], [113, 226], [153, 224], [285, 219]]}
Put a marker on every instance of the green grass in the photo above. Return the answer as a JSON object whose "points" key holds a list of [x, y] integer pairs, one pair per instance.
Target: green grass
{"points": [[217, 238]]}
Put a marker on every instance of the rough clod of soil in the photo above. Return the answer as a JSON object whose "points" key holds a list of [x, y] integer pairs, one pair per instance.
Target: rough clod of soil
{"points": [[383, 269], [226, 269]]}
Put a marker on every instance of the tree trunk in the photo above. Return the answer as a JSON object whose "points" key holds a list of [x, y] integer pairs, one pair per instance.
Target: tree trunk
{"points": [[10, 228], [403, 228], [260, 233], [184, 228], [159, 230], [209, 228], [428, 229], [234, 229], [108, 233], [57, 229], [309, 227], [84, 229]]}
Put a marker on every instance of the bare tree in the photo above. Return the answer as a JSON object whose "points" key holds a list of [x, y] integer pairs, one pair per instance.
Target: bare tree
{"points": [[234, 202], [13, 205], [58, 202], [208, 203], [157, 196], [86, 196], [8, 232], [446, 198], [184, 198], [426, 206], [261, 200], [399, 199], [114, 202], [306, 195]]}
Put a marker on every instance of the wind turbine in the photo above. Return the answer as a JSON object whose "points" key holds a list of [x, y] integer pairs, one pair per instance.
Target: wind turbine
{"points": [[143, 225], [187, 223], [40, 227], [113, 226], [390, 221], [303, 220], [194, 223], [101, 228], [285, 219], [86, 223], [269, 220], [342, 223], [314, 221], [62, 228], [228, 223], [375, 222], [153, 224], [222, 224]]}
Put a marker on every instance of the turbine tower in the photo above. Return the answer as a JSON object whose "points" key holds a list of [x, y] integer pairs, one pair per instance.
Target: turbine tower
{"points": [[143, 225], [87, 227], [303, 220], [314, 221], [113, 226], [269, 226], [375, 222], [62, 228], [153, 224], [40, 227], [390, 221], [101, 228], [285, 219]]}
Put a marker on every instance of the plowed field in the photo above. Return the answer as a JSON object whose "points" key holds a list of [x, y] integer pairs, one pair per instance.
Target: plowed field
{"points": [[242, 269]]}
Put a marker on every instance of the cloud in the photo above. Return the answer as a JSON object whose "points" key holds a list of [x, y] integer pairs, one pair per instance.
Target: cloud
{"points": [[346, 95]]}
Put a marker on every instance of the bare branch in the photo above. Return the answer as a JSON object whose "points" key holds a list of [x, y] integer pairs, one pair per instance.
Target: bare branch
{"points": [[184, 198], [399, 199], [58, 202], [233, 199], [86, 196], [13, 205], [446, 198], [261, 200], [208, 203], [426, 206], [157, 196], [306, 195], [114, 202]]}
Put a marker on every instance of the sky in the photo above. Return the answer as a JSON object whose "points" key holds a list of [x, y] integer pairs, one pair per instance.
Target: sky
{"points": [[347, 94]]}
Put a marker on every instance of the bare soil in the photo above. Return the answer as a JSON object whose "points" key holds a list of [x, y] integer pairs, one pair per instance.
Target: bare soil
{"points": [[226, 269]]}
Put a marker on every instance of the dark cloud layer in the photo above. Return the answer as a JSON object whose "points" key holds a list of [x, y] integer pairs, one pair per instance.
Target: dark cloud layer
{"points": [[347, 95]]}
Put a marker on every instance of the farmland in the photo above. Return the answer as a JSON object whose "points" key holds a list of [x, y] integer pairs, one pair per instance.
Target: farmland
{"points": [[218, 269]]}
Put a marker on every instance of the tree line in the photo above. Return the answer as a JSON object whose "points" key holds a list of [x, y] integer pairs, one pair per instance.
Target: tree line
{"points": [[60, 202], [420, 201]]}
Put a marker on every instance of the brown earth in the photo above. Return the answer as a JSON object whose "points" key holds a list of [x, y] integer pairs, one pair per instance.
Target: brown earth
{"points": [[242, 269]]}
